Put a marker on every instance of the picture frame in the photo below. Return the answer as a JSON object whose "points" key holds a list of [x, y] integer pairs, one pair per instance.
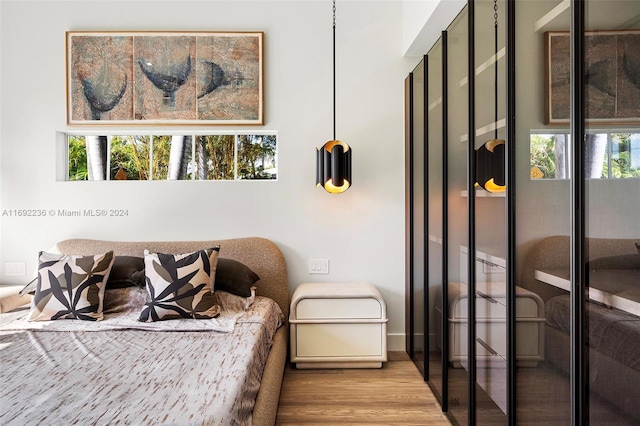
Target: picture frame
{"points": [[164, 77], [612, 64]]}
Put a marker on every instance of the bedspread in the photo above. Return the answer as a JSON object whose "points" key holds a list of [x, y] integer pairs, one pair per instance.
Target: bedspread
{"points": [[136, 377], [612, 332]]}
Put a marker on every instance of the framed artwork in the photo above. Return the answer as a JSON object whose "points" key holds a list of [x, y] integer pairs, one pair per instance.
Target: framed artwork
{"points": [[164, 78], [612, 77]]}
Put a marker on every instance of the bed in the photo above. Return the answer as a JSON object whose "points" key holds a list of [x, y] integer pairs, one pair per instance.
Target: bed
{"points": [[612, 313], [118, 370]]}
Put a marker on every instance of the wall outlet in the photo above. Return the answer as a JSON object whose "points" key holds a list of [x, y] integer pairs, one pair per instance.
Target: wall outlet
{"points": [[15, 269], [318, 266], [491, 268]]}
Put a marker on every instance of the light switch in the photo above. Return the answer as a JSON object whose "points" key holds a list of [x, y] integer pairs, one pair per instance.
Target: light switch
{"points": [[318, 266], [15, 269]]}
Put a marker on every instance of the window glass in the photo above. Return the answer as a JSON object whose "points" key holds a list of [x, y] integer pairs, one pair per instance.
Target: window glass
{"points": [[608, 154], [129, 158], [205, 156]]}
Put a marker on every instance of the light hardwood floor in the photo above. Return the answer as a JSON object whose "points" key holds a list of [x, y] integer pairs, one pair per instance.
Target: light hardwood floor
{"points": [[393, 394]]}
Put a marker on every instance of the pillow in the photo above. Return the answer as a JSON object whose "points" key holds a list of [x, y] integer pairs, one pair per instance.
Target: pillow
{"points": [[232, 303], [235, 277], [624, 261], [180, 285], [70, 287], [29, 288], [124, 300], [127, 271]]}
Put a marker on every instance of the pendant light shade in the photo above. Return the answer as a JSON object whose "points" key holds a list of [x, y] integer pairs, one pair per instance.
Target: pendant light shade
{"points": [[490, 166], [333, 160], [333, 166]]}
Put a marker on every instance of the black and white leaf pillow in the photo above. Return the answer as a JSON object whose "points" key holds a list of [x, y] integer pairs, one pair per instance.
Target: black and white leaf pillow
{"points": [[70, 287], [180, 285]]}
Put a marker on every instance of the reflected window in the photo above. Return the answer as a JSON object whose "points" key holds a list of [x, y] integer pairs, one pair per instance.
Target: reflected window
{"points": [[608, 155]]}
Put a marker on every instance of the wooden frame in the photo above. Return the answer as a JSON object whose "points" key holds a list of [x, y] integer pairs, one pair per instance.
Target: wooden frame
{"points": [[612, 77], [164, 78]]}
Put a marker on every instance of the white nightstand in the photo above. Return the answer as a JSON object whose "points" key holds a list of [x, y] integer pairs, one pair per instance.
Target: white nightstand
{"points": [[491, 331], [338, 326]]}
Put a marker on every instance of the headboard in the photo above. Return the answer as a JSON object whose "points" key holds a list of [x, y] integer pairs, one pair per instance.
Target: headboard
{"points": [[259, 254], [555, 253]]}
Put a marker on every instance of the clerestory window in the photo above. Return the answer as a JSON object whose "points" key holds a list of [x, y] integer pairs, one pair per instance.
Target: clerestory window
{"points": [[166, 156], [609, 155]]}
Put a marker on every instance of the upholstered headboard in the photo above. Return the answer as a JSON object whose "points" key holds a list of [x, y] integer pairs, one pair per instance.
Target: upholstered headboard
{"points": [[259, 254], [554, 253]]}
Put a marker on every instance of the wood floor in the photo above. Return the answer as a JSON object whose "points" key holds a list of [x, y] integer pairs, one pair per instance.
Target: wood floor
{"points": [[393, 394]]}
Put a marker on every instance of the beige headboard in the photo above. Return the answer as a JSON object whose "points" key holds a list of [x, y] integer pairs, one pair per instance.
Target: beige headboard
{"points": [[259, 254], [555, 253]]}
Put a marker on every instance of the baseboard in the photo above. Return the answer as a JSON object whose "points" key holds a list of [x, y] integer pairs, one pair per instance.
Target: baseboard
{"points": [[396, 342]]}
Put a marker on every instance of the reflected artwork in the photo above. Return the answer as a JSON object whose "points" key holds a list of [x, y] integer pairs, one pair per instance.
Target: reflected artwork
{"points": [[612, 62]]}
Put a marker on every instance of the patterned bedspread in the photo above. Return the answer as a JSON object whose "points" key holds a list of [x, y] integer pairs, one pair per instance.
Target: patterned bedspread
{"points": [[136, 377]]}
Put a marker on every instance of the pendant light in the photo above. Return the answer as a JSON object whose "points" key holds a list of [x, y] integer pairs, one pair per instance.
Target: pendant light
{"points": [[490, 156], [333, 160]]}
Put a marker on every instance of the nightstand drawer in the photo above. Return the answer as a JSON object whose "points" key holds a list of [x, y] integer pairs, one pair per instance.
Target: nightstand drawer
{"points": [[338, 308], [339, 340]]}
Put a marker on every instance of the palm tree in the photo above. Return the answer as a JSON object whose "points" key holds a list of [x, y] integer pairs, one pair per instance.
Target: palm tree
{"points": [[97, 157]]}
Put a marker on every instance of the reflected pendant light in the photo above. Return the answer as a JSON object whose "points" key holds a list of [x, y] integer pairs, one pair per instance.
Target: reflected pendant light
{"points": [[333, 160], [490, 174]]}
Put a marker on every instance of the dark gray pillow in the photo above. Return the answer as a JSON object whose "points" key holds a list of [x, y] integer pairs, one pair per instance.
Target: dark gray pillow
{"points": [[127, 271], [625, 261], [234, 277]]}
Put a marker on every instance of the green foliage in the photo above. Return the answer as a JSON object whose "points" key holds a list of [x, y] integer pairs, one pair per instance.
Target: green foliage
{"points": [[542, 155], [256, 157], [131, 154], [621, 158], [161, 153], [78, 158], [215, 155]]}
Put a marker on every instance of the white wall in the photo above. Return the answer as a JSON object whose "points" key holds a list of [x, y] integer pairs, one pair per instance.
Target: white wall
{"points": [[360, 231], [424, 21]]}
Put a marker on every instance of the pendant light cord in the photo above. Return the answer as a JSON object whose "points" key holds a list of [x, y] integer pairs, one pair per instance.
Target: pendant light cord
{"points": [[334, 69], [495, 58]]}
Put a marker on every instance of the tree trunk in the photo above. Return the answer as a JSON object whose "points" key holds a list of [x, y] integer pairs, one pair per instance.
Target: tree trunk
{"points": [[97, 157], [595, 147], [178, 157], [561, 161], [202, 157]]}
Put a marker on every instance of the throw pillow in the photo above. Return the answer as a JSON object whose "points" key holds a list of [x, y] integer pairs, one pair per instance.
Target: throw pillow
{"points": [[127, 299], [235, 277], [29, 288], [127, 271], [624, 261], [233, 303], [180, 285], [70, 287]]}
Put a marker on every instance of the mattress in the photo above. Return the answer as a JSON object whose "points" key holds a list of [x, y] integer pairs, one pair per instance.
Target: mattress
{"points": [[612, 332], [122, 375]]}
